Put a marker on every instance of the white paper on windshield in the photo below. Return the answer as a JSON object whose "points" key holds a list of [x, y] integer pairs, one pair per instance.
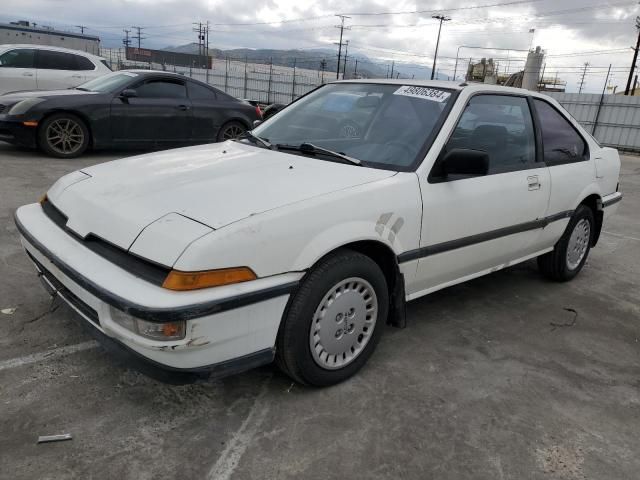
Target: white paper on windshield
{"points": [[425, 93]]}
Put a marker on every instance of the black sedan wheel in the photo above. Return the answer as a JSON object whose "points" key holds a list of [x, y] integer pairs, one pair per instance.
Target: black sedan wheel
{"points": [[231, 130], [63, 135]]}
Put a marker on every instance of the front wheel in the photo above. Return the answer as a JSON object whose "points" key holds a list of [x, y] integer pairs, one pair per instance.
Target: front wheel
{"points": [[63, 135], [570, 253], [231, 130], [334, 321]]}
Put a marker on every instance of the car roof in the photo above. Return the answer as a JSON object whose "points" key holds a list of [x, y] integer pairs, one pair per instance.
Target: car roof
{"points": [[9, 46], [473, 87]]}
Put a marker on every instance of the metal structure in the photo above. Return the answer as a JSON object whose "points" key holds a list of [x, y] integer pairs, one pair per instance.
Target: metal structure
{"points": [[32, 33], [614, 120], [533, 69]]}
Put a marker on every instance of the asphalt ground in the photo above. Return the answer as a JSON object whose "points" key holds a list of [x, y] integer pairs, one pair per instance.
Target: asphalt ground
{"points": [[496, 378]]}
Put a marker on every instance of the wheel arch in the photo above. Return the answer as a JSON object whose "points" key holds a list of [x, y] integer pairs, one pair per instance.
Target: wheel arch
{"points": [[80, 115], [384, 256], [594, 202]]}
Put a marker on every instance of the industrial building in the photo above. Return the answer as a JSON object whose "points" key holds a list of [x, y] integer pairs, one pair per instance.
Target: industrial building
{"points": [[28, 32]]}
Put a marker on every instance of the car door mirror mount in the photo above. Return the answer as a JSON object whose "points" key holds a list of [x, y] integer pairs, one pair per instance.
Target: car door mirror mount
{"points": [[465, 161], [128, 93]]}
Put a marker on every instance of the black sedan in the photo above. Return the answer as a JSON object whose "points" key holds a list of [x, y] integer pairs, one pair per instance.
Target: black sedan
{"points": [[129, 108]]}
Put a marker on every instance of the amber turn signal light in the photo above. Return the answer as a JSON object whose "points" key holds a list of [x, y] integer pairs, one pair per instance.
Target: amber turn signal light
{"points": [[182, 281], [30, 124]]}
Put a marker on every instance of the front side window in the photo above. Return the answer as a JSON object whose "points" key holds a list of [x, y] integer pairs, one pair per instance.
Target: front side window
{"points": [[500, 126], [561, 142], [162, 89], [20, 58], [383, 126]]}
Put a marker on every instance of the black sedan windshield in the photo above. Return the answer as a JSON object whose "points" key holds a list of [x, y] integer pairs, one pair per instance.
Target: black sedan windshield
{"points": [[382, 125], [108, 83]]}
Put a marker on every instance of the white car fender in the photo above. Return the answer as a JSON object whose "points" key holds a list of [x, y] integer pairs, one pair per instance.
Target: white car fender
{"points": [[296, 236]]}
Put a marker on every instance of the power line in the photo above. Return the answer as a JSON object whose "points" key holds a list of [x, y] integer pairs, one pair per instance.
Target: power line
{"points": [[138, 37], [442, 10]]}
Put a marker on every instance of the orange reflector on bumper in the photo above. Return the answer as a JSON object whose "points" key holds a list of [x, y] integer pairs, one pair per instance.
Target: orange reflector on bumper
{"points": [[182, 281], [30, 124]]}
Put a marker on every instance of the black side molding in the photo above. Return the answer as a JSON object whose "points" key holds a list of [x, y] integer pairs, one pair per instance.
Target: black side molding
{"points": [[158, 315], [481, 237]]}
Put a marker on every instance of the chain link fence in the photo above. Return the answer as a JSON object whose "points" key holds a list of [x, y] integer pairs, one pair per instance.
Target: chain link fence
{"points": [[264, 83]]}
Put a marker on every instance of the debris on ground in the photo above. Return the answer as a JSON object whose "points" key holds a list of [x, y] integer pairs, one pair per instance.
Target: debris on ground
{"points": [[568, 324], [54, 438], [8, 311]]}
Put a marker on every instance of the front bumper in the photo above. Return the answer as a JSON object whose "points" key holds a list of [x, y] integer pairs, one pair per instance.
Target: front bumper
{"points": [[229, 329], [14, 132]]}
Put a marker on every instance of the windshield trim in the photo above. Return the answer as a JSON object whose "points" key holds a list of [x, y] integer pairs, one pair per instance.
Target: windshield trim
{"points": [[426, 146]]}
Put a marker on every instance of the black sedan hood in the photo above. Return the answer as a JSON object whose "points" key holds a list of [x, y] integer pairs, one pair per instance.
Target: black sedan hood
{"points": [[13, 97]]}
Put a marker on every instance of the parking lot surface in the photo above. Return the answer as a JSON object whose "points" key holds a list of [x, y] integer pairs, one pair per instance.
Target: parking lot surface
{"points": [[507, 376]]}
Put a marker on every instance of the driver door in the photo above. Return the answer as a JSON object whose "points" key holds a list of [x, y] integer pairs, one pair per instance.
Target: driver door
{"points": [[160, 112], [474, 224]]}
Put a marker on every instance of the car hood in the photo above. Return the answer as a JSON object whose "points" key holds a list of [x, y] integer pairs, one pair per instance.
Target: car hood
{"points": [[214, 185], [13, 97]]}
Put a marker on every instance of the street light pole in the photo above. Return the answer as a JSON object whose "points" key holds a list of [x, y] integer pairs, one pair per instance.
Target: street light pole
{"points": [[442, 18]]}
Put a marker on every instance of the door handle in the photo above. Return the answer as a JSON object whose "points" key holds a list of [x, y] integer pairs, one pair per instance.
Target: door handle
{"points": [[533, 182], [27, 74], [183, 107]]}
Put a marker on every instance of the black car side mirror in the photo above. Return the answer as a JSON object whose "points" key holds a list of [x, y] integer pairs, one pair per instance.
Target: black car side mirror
{"points": [[129, 93], [464, 161], [256, 123]]}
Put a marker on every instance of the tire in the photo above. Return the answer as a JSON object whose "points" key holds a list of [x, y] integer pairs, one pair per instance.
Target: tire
{"points": [[231, 130], [571, 251], [63, 135], [349, 276]]}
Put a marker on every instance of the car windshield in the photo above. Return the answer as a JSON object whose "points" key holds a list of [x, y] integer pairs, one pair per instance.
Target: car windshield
{"points": [[384, 126], [108, 83]]}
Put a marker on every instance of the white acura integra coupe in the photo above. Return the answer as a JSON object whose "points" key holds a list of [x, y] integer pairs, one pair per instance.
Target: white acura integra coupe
{"points": [[300, 241]]}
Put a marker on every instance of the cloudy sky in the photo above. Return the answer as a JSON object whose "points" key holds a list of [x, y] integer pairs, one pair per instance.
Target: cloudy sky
{"points": [[573, 32]]}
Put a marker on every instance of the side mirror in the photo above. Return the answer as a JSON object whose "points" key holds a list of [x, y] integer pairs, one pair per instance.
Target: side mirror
{"points": [[256, 123], [128, 93], [464, 161]]}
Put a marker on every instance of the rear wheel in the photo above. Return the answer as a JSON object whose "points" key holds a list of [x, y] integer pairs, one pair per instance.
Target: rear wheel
{"points": [[63, 135], [231, 130], [334, 320], [570, 253]]}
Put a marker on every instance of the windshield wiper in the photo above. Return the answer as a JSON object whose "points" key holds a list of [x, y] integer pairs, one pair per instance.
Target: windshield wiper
{"points": [[82, 88], [312, 149], [256, 139]]}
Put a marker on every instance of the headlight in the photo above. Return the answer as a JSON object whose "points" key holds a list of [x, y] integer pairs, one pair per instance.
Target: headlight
{"points": [[23, 106], [177, 280], [154, 331]]}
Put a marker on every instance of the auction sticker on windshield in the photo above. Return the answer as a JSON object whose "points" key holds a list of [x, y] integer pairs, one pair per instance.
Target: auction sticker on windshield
{"points": [[423, 92]]}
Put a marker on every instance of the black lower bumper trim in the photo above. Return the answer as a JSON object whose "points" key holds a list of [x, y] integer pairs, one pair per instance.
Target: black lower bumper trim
{"points": [[152, 314], [177, 376]]}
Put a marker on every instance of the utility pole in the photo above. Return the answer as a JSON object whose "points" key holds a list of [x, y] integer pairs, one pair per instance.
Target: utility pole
{"points": [[584, 72], [200, 30], [126, 41], [323, 67], [442, 18], [81, 27], [635, 57], [342, 28], [393, 63], [344, 68], [355, 70], [206, 53], [139, 37]]}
